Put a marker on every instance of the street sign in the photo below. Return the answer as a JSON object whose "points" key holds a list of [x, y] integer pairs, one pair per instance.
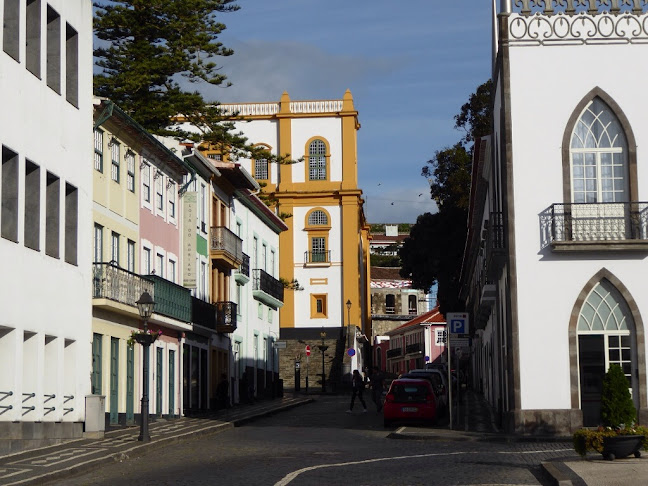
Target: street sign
{"points": [[457, 322], [351, 352], [460, 342], [427, 358], [307, 350], [279, 345]]}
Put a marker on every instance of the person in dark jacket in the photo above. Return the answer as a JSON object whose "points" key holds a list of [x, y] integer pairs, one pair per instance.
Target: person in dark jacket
{"points": [[377, 383], [357, 388]]}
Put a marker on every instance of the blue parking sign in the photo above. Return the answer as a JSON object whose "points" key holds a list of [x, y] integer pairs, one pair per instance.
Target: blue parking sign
{"points": [[457, 322]]}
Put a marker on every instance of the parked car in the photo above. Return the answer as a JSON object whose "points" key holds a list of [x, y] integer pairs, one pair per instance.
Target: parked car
{"points": [[439, 384], [410, 400]]}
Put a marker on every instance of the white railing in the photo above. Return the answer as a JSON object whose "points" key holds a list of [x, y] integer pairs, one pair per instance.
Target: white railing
{"points": [[266, 109], [322, 106]]}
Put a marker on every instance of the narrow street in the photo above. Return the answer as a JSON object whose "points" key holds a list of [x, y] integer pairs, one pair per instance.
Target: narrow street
{"points": [[319, 443]]}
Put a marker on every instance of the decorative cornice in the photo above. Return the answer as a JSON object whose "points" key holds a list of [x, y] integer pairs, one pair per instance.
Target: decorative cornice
{"points": [[578, 29]]}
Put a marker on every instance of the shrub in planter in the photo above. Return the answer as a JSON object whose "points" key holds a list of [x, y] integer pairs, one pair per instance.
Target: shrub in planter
{"points": [[617, 414]]}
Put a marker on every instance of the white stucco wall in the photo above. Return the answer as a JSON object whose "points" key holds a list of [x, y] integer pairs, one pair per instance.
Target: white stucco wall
{"points": [[546, 85], [45, 299]]}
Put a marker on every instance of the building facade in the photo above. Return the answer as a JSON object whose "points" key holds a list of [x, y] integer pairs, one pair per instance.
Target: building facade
{"points": [[324, 251], [45, 223], [554, 277]]}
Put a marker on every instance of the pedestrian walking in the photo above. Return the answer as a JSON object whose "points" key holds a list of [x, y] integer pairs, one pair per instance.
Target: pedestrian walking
{"points": [[357, 388], [376, 382]]}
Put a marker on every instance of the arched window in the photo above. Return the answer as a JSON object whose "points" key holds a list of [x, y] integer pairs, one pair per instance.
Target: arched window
{"points": [[318, 218], [599, 156], [317, 160], [605, 331], [412, 305]]}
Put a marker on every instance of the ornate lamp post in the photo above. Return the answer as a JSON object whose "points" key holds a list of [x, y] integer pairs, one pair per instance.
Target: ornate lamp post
{"points": [[145, 305], [322, 347], [348, 304]]}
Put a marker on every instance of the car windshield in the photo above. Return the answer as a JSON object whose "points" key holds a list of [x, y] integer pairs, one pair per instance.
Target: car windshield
{"points": [[409, 392], [433, 378]]}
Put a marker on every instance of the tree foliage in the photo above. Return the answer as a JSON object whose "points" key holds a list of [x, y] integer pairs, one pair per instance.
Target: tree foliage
{"points": [[617, 407], [147, 47], [434, 250]]}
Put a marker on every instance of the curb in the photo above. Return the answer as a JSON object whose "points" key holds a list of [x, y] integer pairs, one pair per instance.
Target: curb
{"points": [[141, 449], [555, 475]]}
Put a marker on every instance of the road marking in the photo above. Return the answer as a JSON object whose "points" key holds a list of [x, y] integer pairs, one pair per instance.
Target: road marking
{"points": [[290, 477]]}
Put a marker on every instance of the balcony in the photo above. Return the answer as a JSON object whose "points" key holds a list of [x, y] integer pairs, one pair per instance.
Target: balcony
{"points": [[117, 289], [219, 317], [414, 348], [317, 258], [267, 289], [394, 352], [171, 300], [495, 245], [225, 317], [595, 227], [225, 248], [242, 275]]}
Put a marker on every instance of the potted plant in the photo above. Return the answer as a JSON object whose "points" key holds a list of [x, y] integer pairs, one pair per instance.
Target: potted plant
{"points": [[144, 337], [618, 436]]}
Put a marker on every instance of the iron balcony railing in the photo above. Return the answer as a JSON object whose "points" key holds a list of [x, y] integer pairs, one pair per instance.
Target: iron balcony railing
{"points": [[244, 269], [109, 281], [594, 222], [220, 317], [394, 352], [223, 239], [171, 300], [495, 244], [265, 282], [322, 256], [225, 316], [203, 313], [413, 348]]}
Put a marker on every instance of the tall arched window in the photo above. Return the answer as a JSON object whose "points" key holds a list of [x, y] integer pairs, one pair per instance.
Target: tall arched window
{"points": [[599, 156], [318, 225], [605, 336], [317, 160]]}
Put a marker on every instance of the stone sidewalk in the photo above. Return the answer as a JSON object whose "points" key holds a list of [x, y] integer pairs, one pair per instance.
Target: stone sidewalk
{"points": [[53, 463]]}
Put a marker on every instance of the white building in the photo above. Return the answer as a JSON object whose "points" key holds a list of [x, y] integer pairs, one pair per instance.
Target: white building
{"points": [[556, 260], [258, 294], [45, 217]]}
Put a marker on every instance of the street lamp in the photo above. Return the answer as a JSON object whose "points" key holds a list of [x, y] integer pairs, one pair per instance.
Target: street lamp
{"points": [[323, 348], [145, 305], [348, 304]]}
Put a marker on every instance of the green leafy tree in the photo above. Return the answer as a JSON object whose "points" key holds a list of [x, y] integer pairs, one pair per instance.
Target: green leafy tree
{"points": [[617, 407], [434, 250]]}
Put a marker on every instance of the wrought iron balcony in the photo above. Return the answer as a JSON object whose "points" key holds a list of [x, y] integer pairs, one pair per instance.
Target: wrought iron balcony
{"points": [[595, 226], [110, 281], [244, 268], [267, 289], [171, 300], [225, 317], [203, 313], [413, 348], [495, 244], [219, 317], [394, 352], [323, 256], [226, 247]]}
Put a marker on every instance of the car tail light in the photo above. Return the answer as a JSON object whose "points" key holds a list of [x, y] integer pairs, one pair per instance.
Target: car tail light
{"points": [[390, 397]]}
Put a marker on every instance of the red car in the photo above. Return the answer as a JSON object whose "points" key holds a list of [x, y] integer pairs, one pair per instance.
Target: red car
{"points": [[410, 400]]}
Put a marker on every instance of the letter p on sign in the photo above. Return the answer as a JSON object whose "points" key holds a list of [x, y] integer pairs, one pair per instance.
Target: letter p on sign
{"points": [[457, 322]]}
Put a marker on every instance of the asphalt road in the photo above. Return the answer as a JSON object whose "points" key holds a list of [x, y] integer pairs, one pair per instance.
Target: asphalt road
{"points": [[321, 444]]}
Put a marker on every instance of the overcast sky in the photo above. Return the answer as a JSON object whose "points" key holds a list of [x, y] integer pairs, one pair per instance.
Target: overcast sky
{"points": [[409, 65]]}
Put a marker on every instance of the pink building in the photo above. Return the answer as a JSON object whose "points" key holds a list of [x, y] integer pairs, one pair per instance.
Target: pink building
{"points": [[414, 344]]}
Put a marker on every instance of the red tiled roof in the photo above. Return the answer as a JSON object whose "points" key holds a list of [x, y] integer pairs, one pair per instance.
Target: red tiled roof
{"points": [[386, 273], [431, 317]]}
